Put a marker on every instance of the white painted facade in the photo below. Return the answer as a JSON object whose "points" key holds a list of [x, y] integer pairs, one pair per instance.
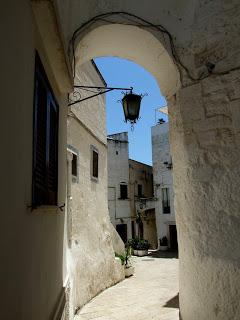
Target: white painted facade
{"points": [[162, 178], [90, 246], [134, 175], [118, 174]]}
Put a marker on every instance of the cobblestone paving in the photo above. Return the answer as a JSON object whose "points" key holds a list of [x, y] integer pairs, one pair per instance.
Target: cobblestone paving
{"points": [[152, 293]]}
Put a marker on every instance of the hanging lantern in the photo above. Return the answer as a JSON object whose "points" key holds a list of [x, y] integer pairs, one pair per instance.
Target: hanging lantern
{"points": [[131, 106]]}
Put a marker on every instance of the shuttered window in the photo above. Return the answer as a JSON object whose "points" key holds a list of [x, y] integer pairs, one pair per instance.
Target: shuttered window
{"points": [[123, 191], [45, 141], [165, 200], [95, 164]]}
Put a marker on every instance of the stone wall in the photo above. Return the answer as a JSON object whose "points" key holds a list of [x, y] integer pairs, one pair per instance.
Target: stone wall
{"points": [[31, 240], [205, 130]]}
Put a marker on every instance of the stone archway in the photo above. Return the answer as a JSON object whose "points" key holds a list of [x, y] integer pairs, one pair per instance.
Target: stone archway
{"points": [[135, 44], [201, 136], [205, 142]]}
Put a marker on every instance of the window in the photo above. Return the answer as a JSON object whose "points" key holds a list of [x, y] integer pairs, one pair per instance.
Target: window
{"points": [[123, 191], [165, 200], [74, 165], [74, 162], [45, 141], [133, 230], [94, 158], [140, 193]]}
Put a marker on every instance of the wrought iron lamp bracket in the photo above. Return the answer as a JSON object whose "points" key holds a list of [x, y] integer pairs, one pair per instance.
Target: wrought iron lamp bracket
{"points": [[76, 96]]}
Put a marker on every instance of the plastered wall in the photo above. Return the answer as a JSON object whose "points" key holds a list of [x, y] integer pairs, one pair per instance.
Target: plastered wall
{"points": [[90, 258], [31, 241], [162, 177], [118, 172]]}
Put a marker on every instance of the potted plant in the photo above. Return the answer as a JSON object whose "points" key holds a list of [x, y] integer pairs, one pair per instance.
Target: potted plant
{"points": [[140, 247], [163, 244], [125, 259]]}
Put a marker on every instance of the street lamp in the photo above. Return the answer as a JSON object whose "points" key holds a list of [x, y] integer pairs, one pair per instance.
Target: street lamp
{"points": [[131, 106], [131, 102]]}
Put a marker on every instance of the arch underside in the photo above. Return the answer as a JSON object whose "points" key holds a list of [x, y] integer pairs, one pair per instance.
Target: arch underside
{"points": [[134, 44]]}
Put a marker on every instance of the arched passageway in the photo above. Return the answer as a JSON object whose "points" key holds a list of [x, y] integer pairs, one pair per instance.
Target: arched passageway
{"points": [[135, 44], [200, 138], [204, 130]]}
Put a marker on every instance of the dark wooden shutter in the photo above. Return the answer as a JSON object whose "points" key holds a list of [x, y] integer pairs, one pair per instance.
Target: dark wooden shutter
{"points": [[95, 164], [52, 152], [74, 165], [45, 141]]}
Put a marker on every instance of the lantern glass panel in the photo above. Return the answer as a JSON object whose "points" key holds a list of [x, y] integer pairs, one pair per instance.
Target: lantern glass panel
{"points": [[131, 106], [125, 108]]}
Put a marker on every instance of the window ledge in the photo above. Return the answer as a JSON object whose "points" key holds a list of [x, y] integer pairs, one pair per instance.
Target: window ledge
{"points": [[94, 179], [46, 210], [123, 199]]}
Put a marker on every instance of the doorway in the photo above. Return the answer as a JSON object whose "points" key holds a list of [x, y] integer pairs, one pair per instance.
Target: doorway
{"points": [[173, 237], [122, 231]]}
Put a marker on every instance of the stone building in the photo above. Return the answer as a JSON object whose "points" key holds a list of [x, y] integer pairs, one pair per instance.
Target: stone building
{"points": [[163, 184], [130, 188], [142, 201], [192, 48], [118, 184], [91, 265]]}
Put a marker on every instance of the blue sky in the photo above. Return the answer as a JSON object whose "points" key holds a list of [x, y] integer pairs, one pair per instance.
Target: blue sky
{"points": [[123, 73]]}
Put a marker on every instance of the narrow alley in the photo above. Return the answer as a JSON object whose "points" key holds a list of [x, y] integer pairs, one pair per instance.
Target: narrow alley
{"points": [[151, 293]]}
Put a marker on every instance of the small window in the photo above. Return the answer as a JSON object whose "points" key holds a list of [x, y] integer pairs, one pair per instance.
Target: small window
{"points": [[123, 191], [94, 157], [140, 193], [165, 200], [45, 141], [74, 162], [116, 152], [74, 165]]}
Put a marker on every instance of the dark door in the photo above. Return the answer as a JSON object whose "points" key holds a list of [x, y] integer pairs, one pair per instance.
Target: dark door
{"points": [[122, 231], [173, 237]]}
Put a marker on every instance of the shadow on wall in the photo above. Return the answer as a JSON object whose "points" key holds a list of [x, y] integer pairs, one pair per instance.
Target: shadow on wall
{"points": [[164, 254], [173, 303]]}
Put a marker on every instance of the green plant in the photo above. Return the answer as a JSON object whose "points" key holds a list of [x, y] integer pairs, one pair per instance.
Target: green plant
{"points": [[139, 244], [164, 241], [133, 243], [125, 257]]}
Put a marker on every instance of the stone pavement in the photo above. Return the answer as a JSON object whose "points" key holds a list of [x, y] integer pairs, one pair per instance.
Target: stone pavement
{"points": [[152, 293]]}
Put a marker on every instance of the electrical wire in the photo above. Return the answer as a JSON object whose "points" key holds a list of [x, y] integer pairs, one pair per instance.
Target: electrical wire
{"points": [[144, 23]]}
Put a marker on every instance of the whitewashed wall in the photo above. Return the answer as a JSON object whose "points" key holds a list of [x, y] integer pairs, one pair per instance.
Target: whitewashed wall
{"points": [[91, 259], [118, 172], [162, 177]]}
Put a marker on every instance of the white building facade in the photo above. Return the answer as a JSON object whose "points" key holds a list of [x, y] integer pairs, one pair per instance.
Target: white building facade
{"points": [[118, 184], [89, 245], [163, 185]]}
